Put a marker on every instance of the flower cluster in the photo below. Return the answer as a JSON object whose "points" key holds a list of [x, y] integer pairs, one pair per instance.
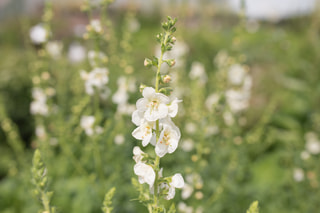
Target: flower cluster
{"points": [[39, 105], [153, 118], [156, 107]]}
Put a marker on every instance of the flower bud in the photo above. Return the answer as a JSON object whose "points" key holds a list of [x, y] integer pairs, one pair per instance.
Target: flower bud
{"points": [[166, 79], [173, 39], [142, 86], [147, 62]]}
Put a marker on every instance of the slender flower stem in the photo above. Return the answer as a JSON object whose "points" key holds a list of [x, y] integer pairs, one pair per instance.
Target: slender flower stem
{"points": [[157, 160]]}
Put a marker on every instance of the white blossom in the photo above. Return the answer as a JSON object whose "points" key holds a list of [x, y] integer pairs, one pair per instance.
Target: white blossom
{"points": [[236, 74], [183, 208], [76, 53], [38, 105], [96, 25], [198, 72], [119, 139], [154, 105], [137, 154], [97, 78], [145, 173], [144, 132], [38, 34], [54, 48], [95, 58], [168, 139], [176, 182], [187, 191], [298, 174], [312, 143], [86, 124]]}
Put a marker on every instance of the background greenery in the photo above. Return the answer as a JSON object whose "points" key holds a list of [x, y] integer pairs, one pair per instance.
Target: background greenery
{"points": [[284, 62]]}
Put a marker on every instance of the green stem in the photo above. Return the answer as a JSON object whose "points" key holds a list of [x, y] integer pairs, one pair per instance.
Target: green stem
{"points": [[157, 160]]}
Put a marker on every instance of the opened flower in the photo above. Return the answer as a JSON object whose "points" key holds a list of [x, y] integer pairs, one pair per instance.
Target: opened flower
{"points": [[145, 173], [153, 104], [168, 140]]}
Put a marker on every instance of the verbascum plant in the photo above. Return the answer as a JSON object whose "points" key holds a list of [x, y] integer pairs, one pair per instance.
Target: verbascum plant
{"points": [[155, 127], [40, 181]]}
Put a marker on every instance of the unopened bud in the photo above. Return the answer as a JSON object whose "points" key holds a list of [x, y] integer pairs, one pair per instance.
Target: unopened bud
{"points": [[166, 79], [142, 86], [147, 62], [173, 39], [171, 62]]}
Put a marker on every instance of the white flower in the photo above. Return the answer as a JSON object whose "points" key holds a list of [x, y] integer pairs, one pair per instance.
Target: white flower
{"points": [[119, 139], [183, 208], [134, 25], [211, 101], [238, 100], [173, 107], [187, 191], [87, 124], [96, 57], [41, 132], [97, 78], [168, 139], [154, 105], [145, 173], [96, 25], [176, 182], [298, 174], [54, 48], [38, 105], [76, 53], [236, 74], [38, 34], [137, 154], [198, 72], [304, 155], [144, 133], [190, 128], [187, 145], [312, 143]]}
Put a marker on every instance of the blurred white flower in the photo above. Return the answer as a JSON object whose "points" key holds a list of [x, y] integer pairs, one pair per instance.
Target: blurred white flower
{"points": [[41, 132], [95, 58], [187, 191], [54, 48], [119, 139], [312, 143], [198, 72], [304, 155], [228, 118], [38, 34], [187, 145], [236, 74], [134, 25], [298, 174], [211, 130], [237, 100], [190, 128], [96, 25], [211, 101], [76, 53], [221, 59], [86, 124], [97, 78], [183, 208], [38, 105]]}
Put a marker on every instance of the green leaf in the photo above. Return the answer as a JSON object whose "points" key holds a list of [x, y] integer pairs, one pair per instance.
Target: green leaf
{"points": [[254, 208]]}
